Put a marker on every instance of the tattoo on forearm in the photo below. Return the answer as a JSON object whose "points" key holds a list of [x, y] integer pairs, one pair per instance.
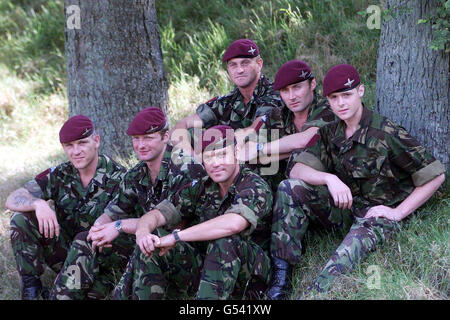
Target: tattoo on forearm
{"points": [[23, 198]]}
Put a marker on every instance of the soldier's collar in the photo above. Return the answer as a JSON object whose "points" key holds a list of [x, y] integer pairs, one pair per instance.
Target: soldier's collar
{"points": [[165, 163], [100, 171], [361, 132], [260, 89]]}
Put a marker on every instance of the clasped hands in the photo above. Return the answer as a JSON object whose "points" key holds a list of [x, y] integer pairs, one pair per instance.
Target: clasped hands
{"points": [[102, 235], [148, 242]]}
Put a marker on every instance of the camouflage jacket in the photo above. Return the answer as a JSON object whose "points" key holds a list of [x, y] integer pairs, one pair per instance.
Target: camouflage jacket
{"points": [[231, 110], [282, 119], [381, 163], [175, 189], [279, 122], [249, 195], [77, 207]]}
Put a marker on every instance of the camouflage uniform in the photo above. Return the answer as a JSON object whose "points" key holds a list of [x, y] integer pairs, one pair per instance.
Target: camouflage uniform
{"points": [[230, 109], [76, 209], [381, 164], [279, 122], [217, 267], [178, 178]]}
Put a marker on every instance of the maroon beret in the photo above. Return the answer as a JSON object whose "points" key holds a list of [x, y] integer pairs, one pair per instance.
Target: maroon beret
{"points": [[77, 127], [342, 77], [292, 72], [242, 48], [217, 137], [149, 120]]}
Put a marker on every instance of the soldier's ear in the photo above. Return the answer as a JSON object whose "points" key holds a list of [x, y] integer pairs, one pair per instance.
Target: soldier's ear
{"points": [[166, 137], [96, 138], [313, 84], [361, 90]]}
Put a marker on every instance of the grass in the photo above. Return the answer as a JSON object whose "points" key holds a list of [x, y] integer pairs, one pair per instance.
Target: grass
{"points": [[33, 105]]}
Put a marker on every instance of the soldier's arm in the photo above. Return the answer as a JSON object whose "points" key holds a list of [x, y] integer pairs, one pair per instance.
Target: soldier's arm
{"points": [[339, 191], [418, 197], [216, 228], [280, 149], [22, 200], [146, 224], [290, 142]]}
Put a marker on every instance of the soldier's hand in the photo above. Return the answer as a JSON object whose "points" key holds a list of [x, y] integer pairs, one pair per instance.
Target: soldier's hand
{"points": [[46, 217], [147, 242], [384, 212], [102, 235], [340, 192], [166, 243]]}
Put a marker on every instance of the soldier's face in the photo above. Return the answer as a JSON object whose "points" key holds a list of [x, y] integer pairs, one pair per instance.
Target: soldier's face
{"points": [[298, 96], [220, 164], [82, 152], [244, 71], [347, 105], [149, 147]]}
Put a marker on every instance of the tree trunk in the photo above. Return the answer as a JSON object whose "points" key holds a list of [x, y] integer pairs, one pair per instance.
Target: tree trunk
{"points": [[412, 80], [114, 66]]}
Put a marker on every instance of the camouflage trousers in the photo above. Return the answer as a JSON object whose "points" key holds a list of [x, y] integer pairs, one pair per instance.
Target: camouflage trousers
{"points": [[32, 250], [88, 274], [298, 204], [226, 268]]}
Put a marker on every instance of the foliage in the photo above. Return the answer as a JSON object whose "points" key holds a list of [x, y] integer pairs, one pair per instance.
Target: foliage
{"points": [[440, 23]]}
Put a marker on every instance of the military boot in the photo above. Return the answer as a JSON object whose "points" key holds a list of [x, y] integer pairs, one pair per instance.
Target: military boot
{"points": [[280, 284], [31, 287]]}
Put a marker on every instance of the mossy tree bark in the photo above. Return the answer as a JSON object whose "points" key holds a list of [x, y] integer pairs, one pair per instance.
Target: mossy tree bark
{"points": [[413, 80], [114, 66]]}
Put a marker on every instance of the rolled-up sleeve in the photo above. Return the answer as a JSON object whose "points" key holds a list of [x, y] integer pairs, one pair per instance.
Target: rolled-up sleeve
{"points": [[170, 212], [247, 213], [409, 155], [428, 173], [206, 113]]}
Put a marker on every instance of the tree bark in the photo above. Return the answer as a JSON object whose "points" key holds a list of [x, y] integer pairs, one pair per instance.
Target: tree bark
{"points": [[412, 80], [114, 66]]}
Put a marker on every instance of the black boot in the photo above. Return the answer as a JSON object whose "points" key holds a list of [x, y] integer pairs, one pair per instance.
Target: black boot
{"points": [[280, 284], [31, 287]]}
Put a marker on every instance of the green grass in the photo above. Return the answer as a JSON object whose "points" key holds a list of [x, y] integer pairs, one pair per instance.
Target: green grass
{"points": [[33, 105]]}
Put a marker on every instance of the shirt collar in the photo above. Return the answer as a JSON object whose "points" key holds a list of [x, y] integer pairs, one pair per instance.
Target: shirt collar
{"points": [[261, 88], [360, 133]]}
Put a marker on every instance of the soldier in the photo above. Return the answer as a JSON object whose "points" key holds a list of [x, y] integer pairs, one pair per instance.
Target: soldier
{"points": [[224, 249], [155, 183], [80, 189], [252, 96], [282, 130], [363, 169]]}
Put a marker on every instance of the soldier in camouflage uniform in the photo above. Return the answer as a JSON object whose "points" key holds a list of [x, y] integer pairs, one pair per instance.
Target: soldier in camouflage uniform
{"points": [[363, 169], [226, 247], [157, 181], [281, 130], [80, 189], [253, 96]]}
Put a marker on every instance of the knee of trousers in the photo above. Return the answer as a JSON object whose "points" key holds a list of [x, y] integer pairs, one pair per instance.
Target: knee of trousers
{"points": [[81, 236], [23, 221], [224, 248], [296, 189]]}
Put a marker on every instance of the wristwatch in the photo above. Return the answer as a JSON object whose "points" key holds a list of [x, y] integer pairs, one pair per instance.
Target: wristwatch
{"points": [[118, 225], [175, 235]]}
